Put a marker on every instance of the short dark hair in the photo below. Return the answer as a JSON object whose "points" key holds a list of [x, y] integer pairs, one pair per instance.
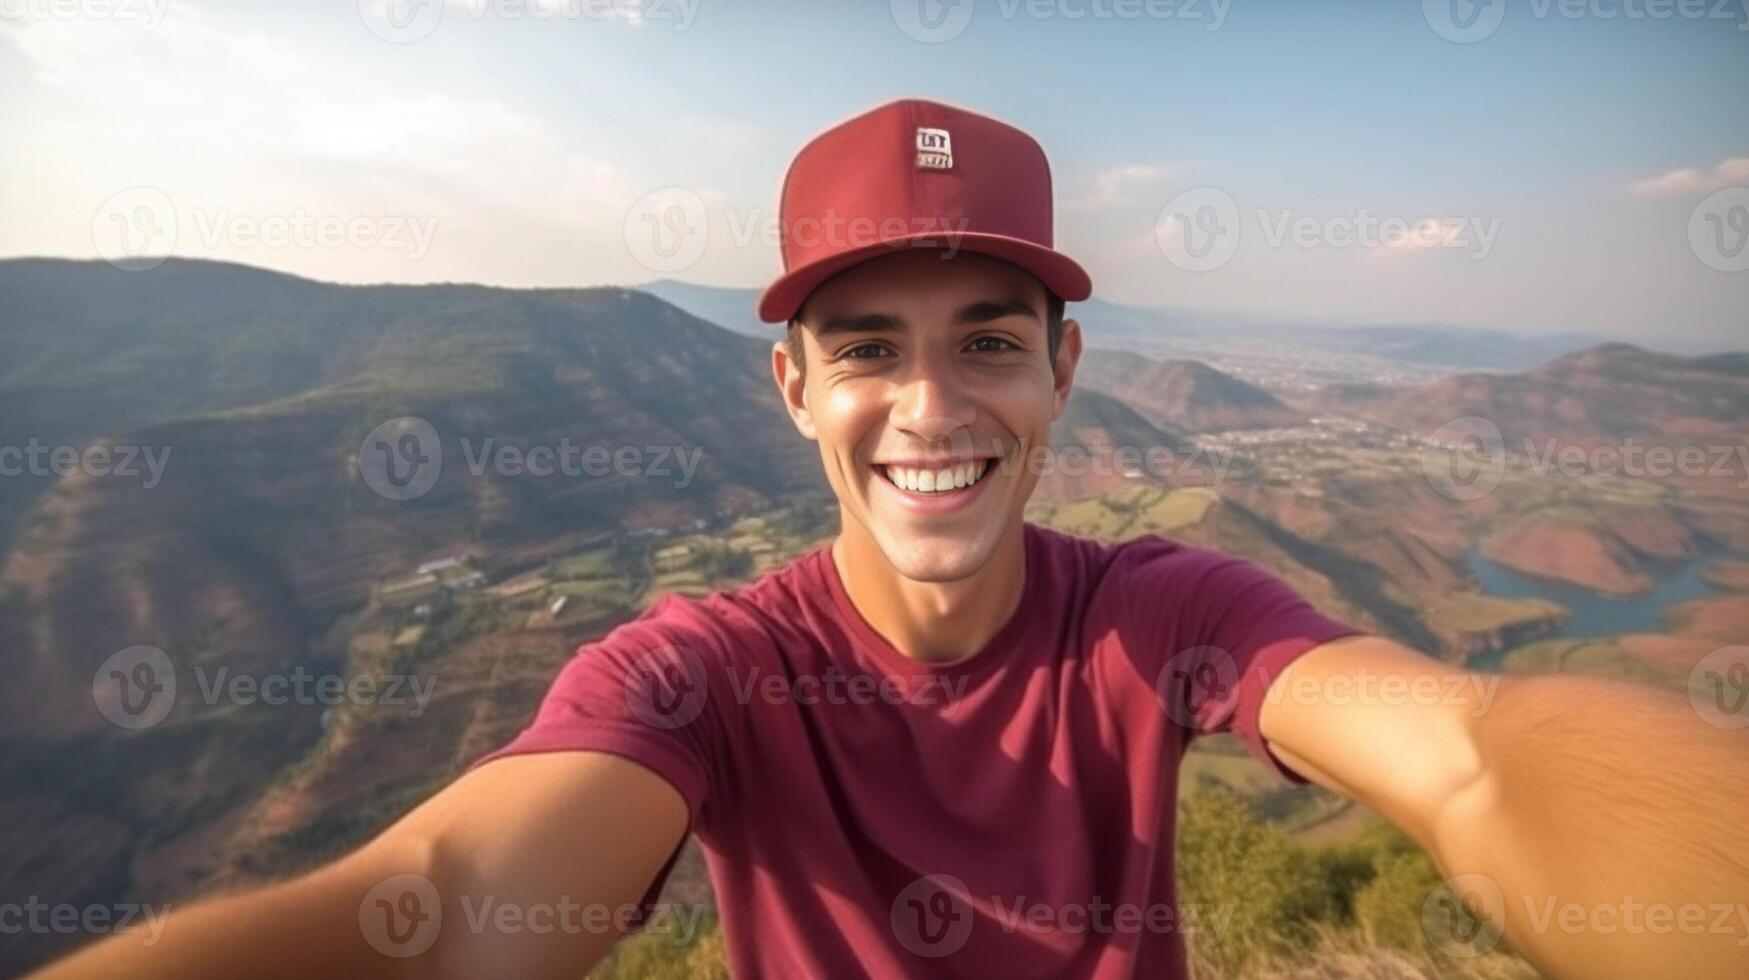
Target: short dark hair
{"points": [[1053, 332]]}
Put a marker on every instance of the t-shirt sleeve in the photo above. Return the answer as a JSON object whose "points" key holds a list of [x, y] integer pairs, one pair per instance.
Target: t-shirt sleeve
{"points": [[1232, 628], [642, 692]]}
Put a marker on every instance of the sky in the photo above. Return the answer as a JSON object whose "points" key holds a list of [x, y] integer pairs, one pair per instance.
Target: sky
{"points": [[1537, 166]]}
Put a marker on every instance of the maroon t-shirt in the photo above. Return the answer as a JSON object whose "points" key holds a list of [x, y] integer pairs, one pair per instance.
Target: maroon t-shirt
{"points": [[1008, 814]]}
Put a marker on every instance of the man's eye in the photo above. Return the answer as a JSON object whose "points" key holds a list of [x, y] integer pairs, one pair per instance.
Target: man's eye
{"points": [[992, 344], [865, 351]]}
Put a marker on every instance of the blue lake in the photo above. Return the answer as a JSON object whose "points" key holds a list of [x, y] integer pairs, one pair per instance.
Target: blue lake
{"points": [[1597, 615]]}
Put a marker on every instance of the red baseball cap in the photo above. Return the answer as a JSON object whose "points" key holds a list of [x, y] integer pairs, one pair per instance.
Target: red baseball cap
{"points": [[915, 174]]}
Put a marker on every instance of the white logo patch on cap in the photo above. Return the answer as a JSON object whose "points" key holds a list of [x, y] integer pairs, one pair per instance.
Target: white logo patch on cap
{"points": [[934, 149]]}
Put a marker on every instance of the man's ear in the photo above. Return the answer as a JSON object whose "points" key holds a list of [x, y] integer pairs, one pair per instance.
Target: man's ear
{"points": [[1068, 356], [787, 370]]}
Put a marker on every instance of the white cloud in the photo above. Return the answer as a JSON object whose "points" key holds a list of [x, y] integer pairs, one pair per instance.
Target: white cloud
{"points": [[262, 125], [1733, 172], [1114, 186]]}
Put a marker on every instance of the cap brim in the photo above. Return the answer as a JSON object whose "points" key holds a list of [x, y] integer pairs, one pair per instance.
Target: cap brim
{"points": [[1060, 274]]}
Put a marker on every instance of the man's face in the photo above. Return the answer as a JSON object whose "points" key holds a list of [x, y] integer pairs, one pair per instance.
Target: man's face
{"points": [[927, 383]]}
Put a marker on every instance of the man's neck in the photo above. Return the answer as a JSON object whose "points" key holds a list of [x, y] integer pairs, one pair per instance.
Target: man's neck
{"points": [[932, 622]]}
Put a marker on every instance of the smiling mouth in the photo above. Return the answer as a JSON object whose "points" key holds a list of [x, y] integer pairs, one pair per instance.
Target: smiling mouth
{"points": [[936, 480]]}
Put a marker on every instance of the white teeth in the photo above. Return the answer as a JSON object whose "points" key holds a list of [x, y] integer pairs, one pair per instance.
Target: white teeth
{"points": [[936, 481]]}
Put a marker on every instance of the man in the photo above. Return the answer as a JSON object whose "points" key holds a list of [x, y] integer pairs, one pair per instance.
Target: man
{"points": [[948, 712]]}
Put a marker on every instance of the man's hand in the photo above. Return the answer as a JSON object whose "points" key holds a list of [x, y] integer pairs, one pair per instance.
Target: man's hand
{"points": [[1600, 822], [525, 832]]}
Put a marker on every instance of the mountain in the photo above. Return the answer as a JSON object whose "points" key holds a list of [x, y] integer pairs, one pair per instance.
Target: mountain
{"points": [[1187, 394], [1614, 396], [1174, 331]]}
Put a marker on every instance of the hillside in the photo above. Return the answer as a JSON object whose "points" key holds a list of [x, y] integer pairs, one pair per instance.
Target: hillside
{"points": [[1187, 394], [1615, 395]]}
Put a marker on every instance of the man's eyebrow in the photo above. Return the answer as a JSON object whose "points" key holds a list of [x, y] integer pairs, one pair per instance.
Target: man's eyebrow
{"points": [[859, 323], [982, 311], [985, 311]]}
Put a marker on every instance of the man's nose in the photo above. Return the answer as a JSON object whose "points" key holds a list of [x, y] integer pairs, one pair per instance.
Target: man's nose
{"points": [[934, 406]]}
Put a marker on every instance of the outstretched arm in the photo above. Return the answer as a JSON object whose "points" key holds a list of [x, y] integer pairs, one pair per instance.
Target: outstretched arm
{"points": [[583, 831], [1599, 823]]}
